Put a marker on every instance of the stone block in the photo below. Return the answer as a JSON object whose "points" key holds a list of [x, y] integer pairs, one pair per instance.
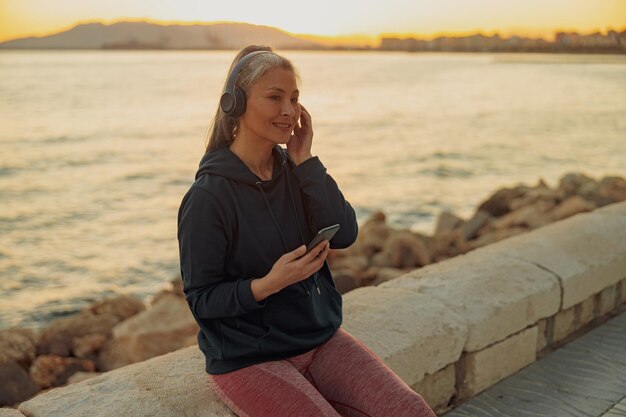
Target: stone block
{"points": [[608, 298], [593, 260], [174, 384], [484, 368], [586, 311], [437, 389], [10, 412], [412, 333], [163, 328], [498, 295], [564, 323], [542, 337]]}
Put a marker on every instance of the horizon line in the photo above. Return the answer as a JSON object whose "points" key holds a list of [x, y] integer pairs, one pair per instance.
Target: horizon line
{"points": [[337, 37]]}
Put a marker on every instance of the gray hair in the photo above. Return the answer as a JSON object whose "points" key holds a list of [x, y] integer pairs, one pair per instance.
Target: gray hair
{"points": [[223, 127]]}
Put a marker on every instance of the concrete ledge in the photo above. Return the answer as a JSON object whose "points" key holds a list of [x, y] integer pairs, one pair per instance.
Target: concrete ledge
{"points": [[174, 384], [406, 329], [587, 251], [495, 294], [471, 320]]}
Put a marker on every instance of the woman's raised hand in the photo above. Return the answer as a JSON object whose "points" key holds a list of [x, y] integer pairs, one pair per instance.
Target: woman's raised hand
{"points": [[293, 267], [299, 145]]}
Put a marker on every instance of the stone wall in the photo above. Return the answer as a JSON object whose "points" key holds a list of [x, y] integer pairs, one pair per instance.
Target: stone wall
{"points": [[449, 330]]}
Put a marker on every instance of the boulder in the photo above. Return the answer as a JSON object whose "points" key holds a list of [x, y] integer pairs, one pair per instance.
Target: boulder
{"points": [[121, 307], [163, 328], [570, 206], [403, 249], [447, 244], [17, 345], [176, 288], [447, 221], [354, 264], [532, 216], [16, 384], [571, 183], [499, 203], [614, 188], [52, 371], [373, 234], [470, 229], [87, 347], [495, 236], [58, 337], [534, 195], [345, 281]]}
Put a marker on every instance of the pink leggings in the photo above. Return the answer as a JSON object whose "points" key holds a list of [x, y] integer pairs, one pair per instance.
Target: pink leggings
{"points": [[340, 377]]}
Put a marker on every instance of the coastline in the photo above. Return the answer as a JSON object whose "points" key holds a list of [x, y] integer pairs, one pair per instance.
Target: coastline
{"points": [[116, 332]]}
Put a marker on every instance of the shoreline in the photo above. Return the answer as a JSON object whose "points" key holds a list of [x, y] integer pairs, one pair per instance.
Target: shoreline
{"points": [[121, 330]]}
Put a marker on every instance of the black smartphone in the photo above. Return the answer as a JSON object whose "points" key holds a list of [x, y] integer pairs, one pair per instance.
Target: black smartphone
{"points": [[326, 233]]}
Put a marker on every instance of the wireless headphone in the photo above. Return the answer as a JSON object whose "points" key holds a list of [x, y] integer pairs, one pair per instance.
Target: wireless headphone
{"points": [[233, 100]]}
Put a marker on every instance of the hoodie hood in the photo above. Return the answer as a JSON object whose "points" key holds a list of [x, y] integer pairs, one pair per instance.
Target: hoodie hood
{"points": [[224, 163]]}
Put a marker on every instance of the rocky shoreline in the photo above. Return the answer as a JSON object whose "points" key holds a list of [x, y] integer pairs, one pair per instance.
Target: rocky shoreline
{"points": [[122, 330]]}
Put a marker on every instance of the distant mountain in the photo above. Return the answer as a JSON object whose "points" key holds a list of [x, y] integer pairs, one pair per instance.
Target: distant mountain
{"points": [[144, 35]]}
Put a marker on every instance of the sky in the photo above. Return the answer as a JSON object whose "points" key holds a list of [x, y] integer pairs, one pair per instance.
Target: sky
{"points": [[364, 18]]}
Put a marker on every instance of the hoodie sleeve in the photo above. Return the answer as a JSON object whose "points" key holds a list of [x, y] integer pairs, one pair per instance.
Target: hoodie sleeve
{"points": [[325, 205], [203, 245]]}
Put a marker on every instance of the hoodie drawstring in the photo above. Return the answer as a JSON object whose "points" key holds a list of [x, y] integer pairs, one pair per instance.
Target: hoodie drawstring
{"points": [[280, 232], [295, 211]]}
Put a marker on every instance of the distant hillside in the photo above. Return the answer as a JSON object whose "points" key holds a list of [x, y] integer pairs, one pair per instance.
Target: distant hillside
{"points": [[144, 35]]}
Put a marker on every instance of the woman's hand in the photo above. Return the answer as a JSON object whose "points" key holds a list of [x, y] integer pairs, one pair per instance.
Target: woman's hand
{"points": [[299, 145], [295, 266]]}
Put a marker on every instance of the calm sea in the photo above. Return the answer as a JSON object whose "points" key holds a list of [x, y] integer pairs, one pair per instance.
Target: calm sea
{"points": [[98, 148]]}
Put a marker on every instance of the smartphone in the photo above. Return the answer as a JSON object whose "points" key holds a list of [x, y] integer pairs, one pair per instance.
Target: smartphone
{"points": [[326, 233]]}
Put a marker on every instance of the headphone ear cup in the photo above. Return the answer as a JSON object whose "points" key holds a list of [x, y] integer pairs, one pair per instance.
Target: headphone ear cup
{"points": [[240, 102]]}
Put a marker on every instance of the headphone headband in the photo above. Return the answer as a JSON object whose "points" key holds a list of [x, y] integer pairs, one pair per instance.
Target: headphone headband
{"points": [[231, 99]]}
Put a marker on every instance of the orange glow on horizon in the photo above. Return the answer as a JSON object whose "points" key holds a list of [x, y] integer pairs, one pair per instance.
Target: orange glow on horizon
{"points": [[363, 40]]}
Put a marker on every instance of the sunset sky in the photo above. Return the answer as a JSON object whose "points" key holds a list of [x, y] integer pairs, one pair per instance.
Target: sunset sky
{"points": [[369, 18]]}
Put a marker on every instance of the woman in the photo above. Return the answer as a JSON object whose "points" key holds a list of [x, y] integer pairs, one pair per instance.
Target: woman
{"points": [[269, 313]]}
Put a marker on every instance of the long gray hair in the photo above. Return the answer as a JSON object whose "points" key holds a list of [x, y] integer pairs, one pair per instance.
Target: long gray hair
{"points": [[223, 127]]}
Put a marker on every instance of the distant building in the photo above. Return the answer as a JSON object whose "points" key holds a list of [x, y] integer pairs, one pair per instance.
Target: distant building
{"points": [[612, 42]]}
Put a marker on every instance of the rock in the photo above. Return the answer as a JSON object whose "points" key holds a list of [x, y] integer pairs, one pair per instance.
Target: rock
{"points": [[171, 385], [175, 289], [82, 376], [471, 227], [495, 235], [160, 329], [534, 195], [532, 217], [52, 371], [570, 206], [58, 337], [354, 264], [122, 307], [447, 221], [87, 347], [345, 281], [570, 184], [447, 244], [373, 234], [17, 345], [403, 249], [16, 384], [614, 188], [499, 203]]}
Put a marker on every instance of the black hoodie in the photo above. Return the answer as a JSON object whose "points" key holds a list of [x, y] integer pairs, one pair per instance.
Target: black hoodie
{"points": [[232, 228]]}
